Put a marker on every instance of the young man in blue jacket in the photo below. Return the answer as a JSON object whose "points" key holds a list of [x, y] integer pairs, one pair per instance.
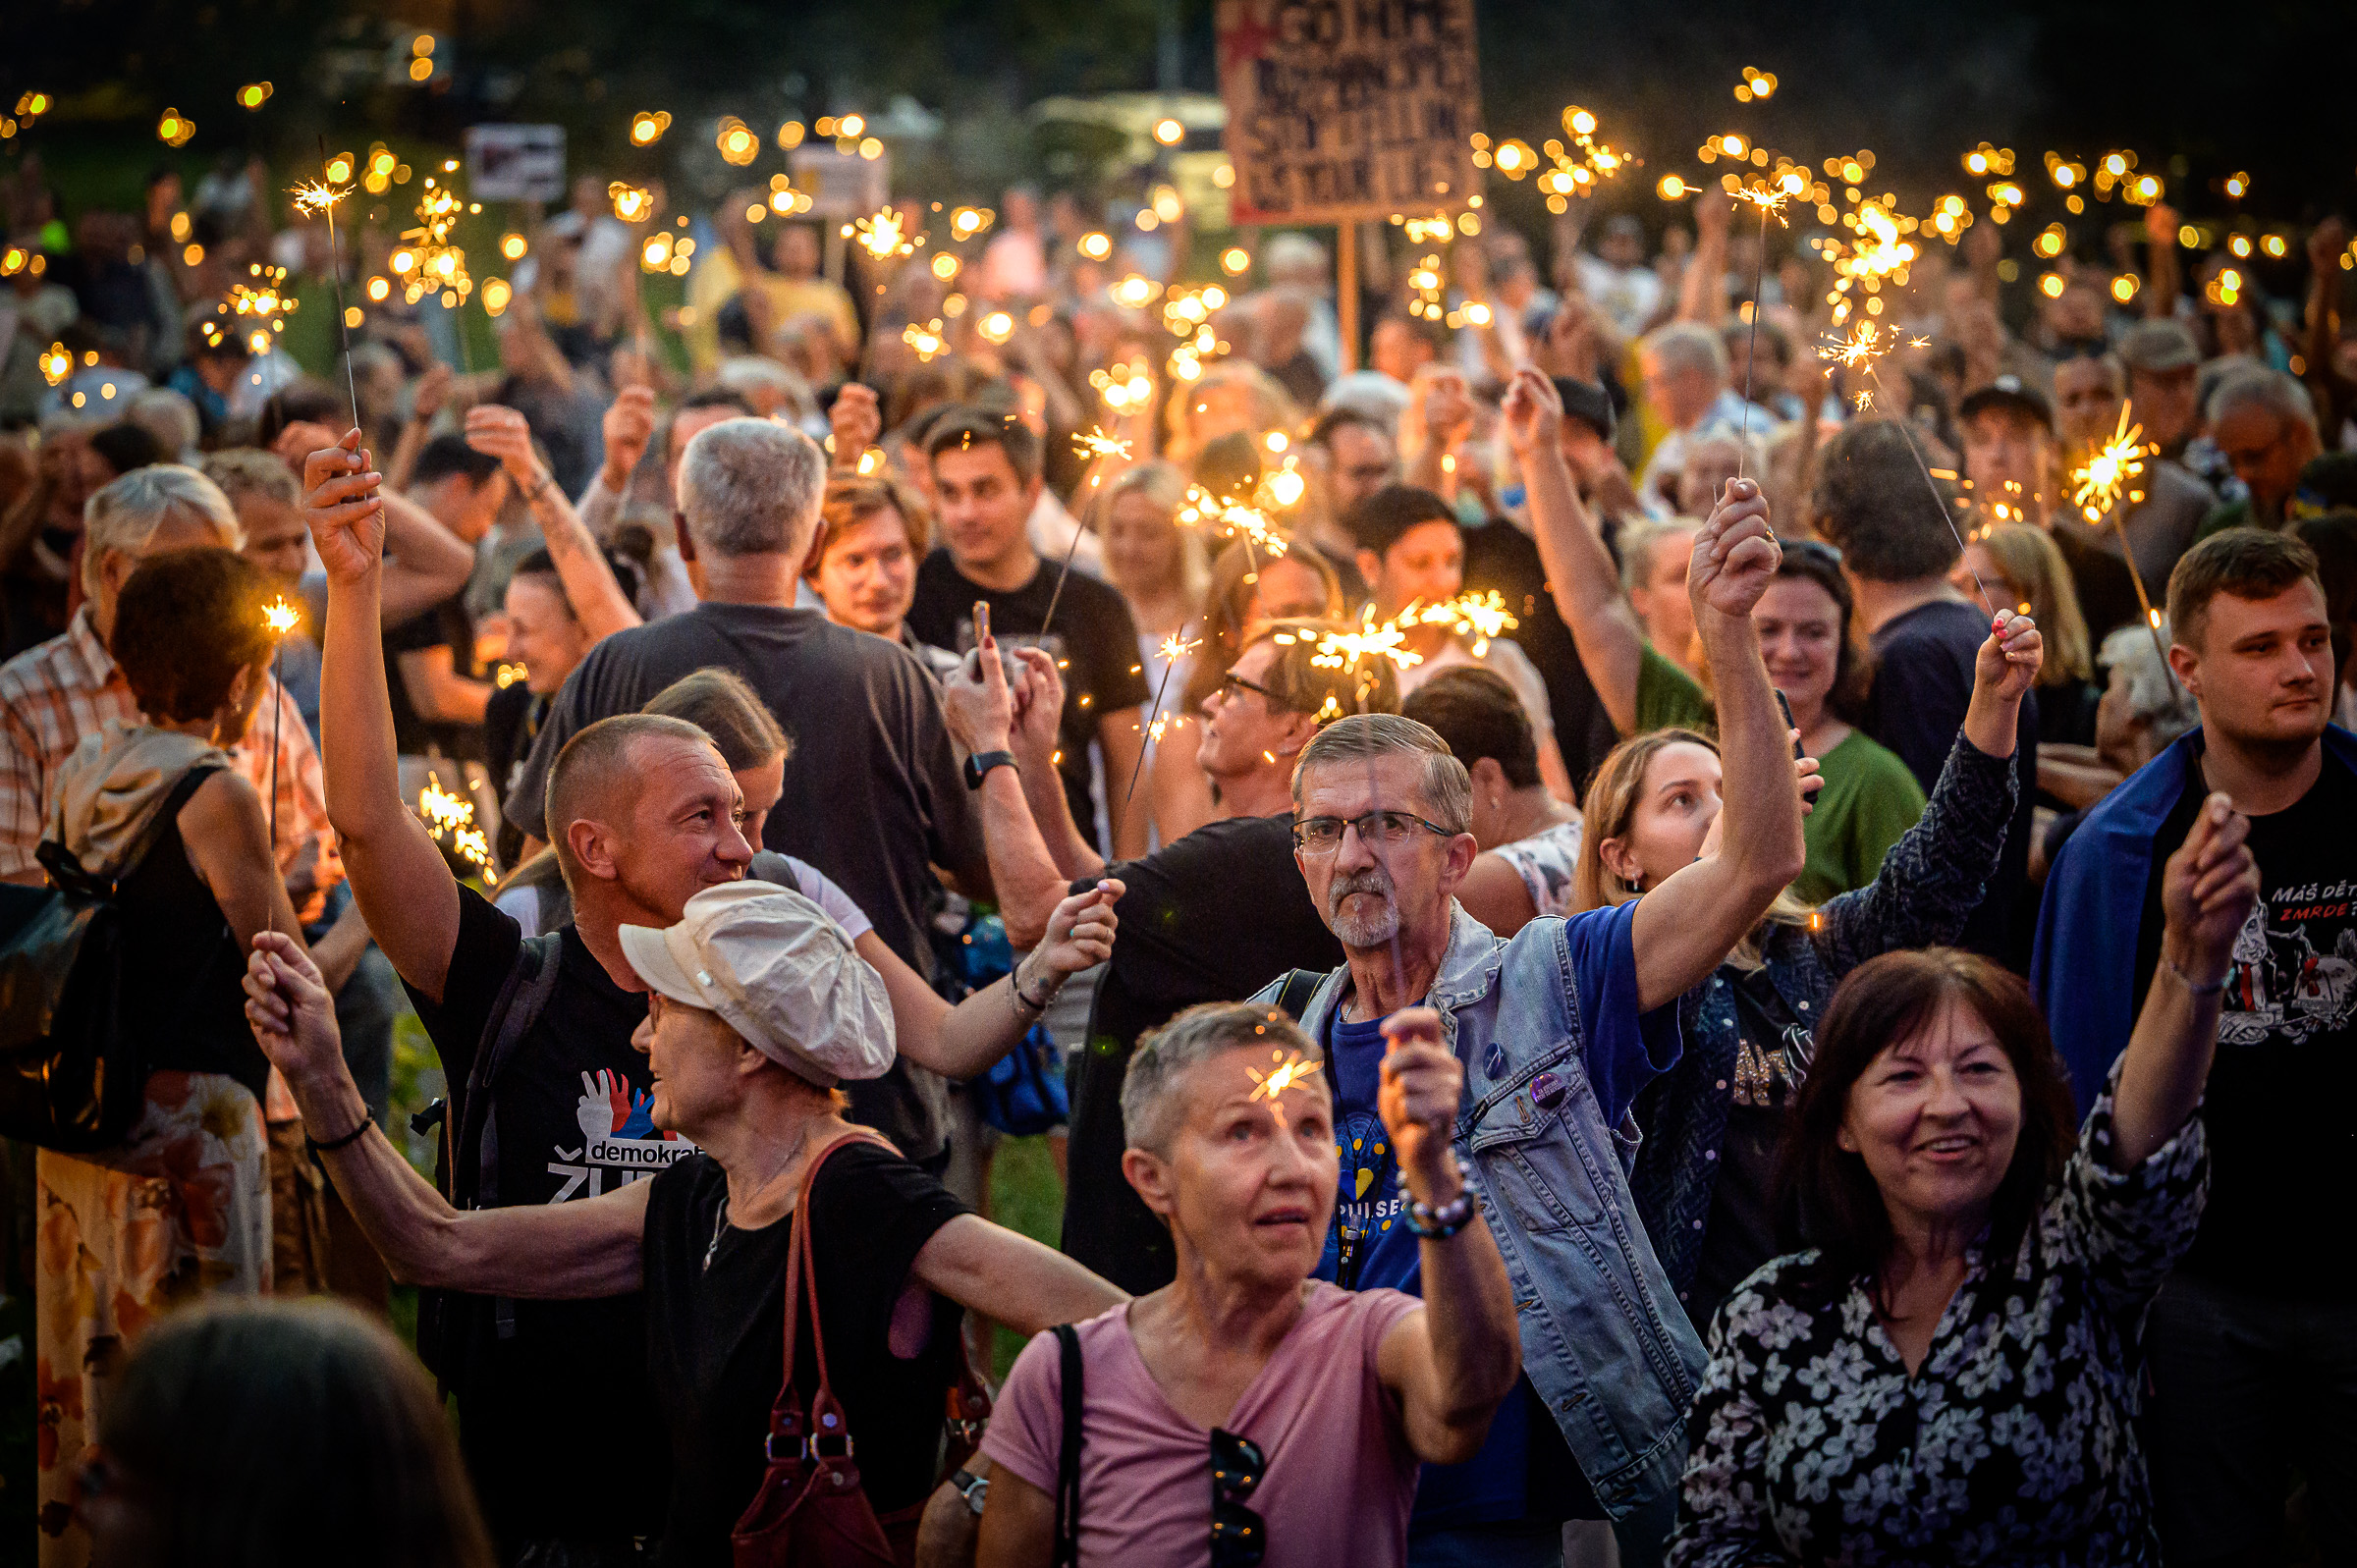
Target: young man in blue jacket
{"points": [[2253, 1341]]}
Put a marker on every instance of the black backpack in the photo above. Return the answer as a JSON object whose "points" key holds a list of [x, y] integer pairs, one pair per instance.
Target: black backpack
{"points": [[71, 1077]]}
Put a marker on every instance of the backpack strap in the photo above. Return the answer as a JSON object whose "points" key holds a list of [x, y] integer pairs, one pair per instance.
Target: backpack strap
{"points": [[1296, 989], [522, 996], [66, 869], [1068, 1460]]}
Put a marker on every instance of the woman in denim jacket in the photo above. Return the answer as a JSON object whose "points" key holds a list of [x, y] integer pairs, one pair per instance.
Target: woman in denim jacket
{"points": [[1748, 1028]]}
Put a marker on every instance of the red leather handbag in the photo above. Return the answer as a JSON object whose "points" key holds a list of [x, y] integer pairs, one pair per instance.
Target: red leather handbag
{"points": [[810, 1511]]}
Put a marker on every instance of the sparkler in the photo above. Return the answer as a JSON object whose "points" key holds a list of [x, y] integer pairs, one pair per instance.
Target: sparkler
{"points": [[1098, 443], [1770, 200], [278, 617], [1291, 1070], [879, 235], [1864, 348], [451, 817], [317, 195], [1479, 615], [2100, 483], [1174, 649], [1095, 443]]}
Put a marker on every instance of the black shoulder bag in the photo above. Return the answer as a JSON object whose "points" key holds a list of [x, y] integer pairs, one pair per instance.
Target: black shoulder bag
{"points": [[1067, 1459], [71, 1077]]}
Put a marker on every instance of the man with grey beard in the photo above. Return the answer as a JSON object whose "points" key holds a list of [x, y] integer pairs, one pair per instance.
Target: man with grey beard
{"points": [[1558, 1029]]}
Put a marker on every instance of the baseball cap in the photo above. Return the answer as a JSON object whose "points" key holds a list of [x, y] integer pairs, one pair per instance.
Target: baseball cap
{"points": [[2008, 392], [2157, 346], [779, 972], [1587, 402]]}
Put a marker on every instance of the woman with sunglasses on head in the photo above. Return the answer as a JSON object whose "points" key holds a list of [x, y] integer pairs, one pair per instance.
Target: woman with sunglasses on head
{"points": [[1713, 1122], [1244, 1412], [1950, 1375]]}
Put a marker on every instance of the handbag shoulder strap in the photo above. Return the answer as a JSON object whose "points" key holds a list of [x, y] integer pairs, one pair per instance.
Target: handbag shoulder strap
{"points": [[166, 813], [1067, 1459], [802, 1278]]}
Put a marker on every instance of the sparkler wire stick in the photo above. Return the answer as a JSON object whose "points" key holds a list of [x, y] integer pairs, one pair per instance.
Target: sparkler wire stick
{"points": [[1172, 650], [324, 199], [1940, 500], [279, 617], [1751, 356]]}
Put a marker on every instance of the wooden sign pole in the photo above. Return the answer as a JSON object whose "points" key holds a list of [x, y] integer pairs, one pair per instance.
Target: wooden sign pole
{"points": [[1345, 291]]}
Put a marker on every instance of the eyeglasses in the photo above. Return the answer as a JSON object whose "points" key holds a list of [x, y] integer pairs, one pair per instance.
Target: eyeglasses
{"points": [[1233, 680], [1323, 835], [1239, 1536]]}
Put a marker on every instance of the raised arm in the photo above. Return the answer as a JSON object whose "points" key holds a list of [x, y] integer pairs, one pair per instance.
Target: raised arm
{"points": [[965, 1041], [1579, 569], [1935, 875], [1686, 927], [2208, 890], [1450, 1364], [597, 600], [551, 1252], [1029, 879], [403, 884]]}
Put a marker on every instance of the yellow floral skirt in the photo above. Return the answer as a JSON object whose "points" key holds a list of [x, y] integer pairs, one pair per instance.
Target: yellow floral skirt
{"points": [[182, 1209]]}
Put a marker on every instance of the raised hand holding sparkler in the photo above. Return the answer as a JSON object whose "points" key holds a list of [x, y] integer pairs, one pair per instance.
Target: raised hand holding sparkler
{"points": [[1423, 1085]]}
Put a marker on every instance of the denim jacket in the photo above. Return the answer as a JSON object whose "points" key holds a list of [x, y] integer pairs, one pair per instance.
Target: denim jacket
{"points": [[1602, 1340], [1929, 882]]}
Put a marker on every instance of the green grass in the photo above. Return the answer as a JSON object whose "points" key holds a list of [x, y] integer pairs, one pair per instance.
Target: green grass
{"points": [[1025, 1196]]}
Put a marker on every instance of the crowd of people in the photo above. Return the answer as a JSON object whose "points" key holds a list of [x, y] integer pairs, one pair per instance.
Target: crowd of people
{"points": [[1672, 955]]}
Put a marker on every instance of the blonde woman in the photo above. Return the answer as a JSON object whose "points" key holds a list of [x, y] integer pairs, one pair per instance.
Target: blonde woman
{"points": [[1749, 1029]]}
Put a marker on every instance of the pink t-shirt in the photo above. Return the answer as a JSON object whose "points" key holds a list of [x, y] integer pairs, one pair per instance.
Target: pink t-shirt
{"points": [[1341, 1476]]}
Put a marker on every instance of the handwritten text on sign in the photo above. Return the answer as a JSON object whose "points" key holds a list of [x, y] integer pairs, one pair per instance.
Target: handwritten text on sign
{"points": [[1348, 108]]}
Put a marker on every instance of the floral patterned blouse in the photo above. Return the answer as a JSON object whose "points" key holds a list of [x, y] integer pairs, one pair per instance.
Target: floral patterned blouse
{"points": [[2012, 1444]]}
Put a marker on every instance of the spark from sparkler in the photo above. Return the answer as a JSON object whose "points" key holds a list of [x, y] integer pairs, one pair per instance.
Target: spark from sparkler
{"points": [[1291, 1072], [1479, 615], [2105, 476], [279, 616], [880, 236], [1095, 443], [1770, 200], [317, 195], [451, 817], [1174, 648], [1343, 650]]}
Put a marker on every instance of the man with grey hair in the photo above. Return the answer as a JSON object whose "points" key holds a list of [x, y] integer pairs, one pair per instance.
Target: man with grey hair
{"points": [[1300, 261], [872, 794], [2265, 426], [1684, 370], [55, 692], [1557, 1029]]}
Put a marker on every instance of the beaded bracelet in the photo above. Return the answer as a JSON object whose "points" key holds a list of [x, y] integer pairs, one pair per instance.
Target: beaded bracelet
{"points": [[1438, 1224]]}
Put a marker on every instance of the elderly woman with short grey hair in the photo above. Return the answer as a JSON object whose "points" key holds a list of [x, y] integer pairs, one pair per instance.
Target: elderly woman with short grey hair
{"points": [[1246, 1411]]}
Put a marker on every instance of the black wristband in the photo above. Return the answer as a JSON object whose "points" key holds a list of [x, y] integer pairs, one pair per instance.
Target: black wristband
{"points": [[368, 1121]]}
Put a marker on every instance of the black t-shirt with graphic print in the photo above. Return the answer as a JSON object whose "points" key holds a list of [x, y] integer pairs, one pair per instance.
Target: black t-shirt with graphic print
{"points": [[2282, 1142], [558, 1421], [1093, 635]]}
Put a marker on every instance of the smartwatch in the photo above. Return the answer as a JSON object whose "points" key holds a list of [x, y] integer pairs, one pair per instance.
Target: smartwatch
{"points": [[974, 1489], [980, 763]]}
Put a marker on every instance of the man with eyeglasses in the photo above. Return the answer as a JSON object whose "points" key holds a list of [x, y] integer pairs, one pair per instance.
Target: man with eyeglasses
{"points": [[1207, 918], [1557, 1029]]}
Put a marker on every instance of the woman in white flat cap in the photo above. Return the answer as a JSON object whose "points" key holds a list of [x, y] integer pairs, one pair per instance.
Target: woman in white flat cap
{"points": [[760, 1008]]}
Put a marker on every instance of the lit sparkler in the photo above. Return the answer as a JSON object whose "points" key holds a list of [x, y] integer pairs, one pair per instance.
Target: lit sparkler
{"points": [[450, 819], [1175, 649], [320, 196], [2100, 484], [881, 236], [1095, 443], [1479, 615], [277, 617], [1292, 1070]]}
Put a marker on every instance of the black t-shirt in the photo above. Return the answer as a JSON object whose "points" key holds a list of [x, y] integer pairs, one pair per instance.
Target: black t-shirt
{"points": [[2107, 592], [445, 625], [558, 1421], [873, 797], [1740, 1233], [2276, 1106], [2067, 713], [1922, 686], [1500, 555], [1210, 918], [1094, 640], [716, 1337]]}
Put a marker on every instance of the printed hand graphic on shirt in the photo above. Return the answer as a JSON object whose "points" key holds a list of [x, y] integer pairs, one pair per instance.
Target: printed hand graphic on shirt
{"points": [[604, 1105], [618, 1139]]}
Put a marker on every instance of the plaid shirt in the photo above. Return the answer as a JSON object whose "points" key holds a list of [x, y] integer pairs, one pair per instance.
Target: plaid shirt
{"points": [[53, 694]]}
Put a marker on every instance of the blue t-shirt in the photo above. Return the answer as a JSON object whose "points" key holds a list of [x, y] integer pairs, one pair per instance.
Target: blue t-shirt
{"points": [[1369, 1244]]}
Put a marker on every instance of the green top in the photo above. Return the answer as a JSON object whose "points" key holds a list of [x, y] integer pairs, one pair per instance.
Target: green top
{"points": [[1869, 801], [1668, 698]]}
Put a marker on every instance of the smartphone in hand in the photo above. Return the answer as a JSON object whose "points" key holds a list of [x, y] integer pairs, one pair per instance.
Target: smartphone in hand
{"points": [[1785, 706]]}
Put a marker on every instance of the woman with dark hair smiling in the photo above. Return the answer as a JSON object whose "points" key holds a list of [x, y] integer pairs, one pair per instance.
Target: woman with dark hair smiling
{"points": [[1951, 1375]]}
